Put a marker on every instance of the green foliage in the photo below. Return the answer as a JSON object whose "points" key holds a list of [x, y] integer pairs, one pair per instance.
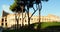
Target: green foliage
{"points": [[45, 0], [15, 7], [16, 0]]}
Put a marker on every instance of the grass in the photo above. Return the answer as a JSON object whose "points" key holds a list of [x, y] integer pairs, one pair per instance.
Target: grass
{"points": [[35, 25], [47, 24]]}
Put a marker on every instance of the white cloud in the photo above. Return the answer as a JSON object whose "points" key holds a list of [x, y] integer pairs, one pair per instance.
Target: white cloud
{"points": [[6, 8]]}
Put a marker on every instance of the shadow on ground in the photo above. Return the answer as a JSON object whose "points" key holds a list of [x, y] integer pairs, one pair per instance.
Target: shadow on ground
{"points": [[31, 28]]}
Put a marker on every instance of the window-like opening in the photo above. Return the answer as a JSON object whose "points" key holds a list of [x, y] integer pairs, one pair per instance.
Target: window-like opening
{"points": [[2, 24], [2, 20], [31, 18], [6, 24], [20, 18], [25, 21]]}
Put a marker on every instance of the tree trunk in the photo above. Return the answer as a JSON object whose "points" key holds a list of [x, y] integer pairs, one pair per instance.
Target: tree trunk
{"points": [[22, 7], [39, 26], [28, 17], [16, 21]]}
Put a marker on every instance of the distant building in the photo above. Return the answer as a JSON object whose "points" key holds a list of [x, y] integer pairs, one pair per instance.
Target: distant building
{"points": [[9, 20]]}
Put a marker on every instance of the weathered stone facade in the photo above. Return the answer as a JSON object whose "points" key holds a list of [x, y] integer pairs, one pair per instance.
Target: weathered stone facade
{"points": [[10, 20]]}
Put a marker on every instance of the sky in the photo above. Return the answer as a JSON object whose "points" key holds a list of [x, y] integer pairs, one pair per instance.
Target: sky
{"points": [[50, 7]]}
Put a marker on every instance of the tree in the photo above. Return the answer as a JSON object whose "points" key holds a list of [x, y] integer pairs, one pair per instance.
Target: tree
{"points": [[18, 8]]}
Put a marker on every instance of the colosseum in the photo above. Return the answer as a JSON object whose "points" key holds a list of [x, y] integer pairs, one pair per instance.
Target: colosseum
{"points": [[7, 20]]}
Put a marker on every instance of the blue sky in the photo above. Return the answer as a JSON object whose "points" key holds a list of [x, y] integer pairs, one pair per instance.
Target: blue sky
{"points": [[50, 7]]}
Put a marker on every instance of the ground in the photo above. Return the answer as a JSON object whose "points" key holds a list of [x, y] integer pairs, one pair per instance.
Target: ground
{"points": [[39, 27]]}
